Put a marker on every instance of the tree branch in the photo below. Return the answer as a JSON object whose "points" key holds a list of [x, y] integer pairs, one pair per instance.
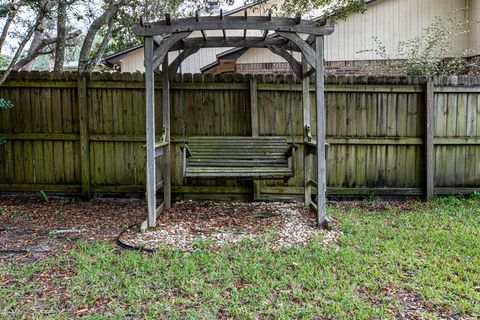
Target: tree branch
{"points": [[40, 49], [103, 45], [61, 36], [20, 48], [6, 27], [96, 25]]}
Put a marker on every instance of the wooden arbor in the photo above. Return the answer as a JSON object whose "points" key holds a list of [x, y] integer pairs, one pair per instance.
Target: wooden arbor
{"points": [[171, 35]]}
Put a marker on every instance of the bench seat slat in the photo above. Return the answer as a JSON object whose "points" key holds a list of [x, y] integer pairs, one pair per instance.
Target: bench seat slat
{"points": [[238, 157]]}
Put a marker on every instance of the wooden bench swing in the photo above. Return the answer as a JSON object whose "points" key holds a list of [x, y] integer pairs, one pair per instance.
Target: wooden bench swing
{"points": [[238, 157], [256, 157]]}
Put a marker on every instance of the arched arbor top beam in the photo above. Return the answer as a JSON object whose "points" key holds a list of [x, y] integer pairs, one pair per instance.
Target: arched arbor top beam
{"points": [[168, 26], [237, 42]]}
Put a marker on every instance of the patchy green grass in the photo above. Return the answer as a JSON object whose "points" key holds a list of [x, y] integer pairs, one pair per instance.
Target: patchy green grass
{"points": [[422, 263]]}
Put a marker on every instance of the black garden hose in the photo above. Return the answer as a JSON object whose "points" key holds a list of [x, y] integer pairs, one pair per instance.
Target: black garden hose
{"points": [[126, 246]]}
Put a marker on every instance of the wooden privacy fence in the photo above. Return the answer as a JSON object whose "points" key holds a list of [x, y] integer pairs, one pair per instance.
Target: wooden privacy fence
{"points": [[388, 136]]}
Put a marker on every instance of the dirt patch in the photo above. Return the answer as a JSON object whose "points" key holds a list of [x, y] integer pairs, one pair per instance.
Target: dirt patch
{"points": [[191, 224], [407, 304], [31, 227], [375, 206]]}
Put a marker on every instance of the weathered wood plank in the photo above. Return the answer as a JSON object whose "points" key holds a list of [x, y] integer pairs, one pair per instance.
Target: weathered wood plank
{"points": [[150, 132], [320, 100], [429, 165], [84, 137], [167, 192]]}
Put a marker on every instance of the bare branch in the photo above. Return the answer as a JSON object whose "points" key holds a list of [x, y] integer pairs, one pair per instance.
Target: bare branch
{"points": [[103, 45], [40, 50], [96, 25], [6, 27], [20, 48]]}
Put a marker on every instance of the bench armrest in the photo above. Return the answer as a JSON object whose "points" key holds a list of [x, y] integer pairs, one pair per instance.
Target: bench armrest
{"points": [[186, 149], [290, 150]]}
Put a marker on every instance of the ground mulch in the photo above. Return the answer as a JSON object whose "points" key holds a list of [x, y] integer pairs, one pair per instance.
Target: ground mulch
{"points": [[31, 227]]}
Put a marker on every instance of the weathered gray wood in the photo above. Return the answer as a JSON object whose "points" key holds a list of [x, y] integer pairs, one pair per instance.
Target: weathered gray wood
{"points": [[175, 64], [233, 23], [84, 136], [296, 66], [219, 42], [306, 50], [307, 155], [164, 47], [150, 132], [429, 137], [254, 122], [322, 220], [167, 187], [254, 106], [239, 157]]}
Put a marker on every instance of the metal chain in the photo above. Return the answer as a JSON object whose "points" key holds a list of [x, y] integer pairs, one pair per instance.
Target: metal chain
{"points": [[291, 111], [182, 103]]}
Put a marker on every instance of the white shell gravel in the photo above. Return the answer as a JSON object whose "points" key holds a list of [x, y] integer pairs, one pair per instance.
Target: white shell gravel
{"points": [[191, 225]]}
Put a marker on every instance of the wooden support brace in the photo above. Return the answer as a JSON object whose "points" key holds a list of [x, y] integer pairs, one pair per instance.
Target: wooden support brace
{"points": [[296, 66], [165, 45], [172, 69], [306, 50]]}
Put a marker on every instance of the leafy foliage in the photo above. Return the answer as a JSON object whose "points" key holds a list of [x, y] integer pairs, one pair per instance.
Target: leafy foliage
{"points": [[129, 15], [333, 9], [425, 55], [4, 104]]}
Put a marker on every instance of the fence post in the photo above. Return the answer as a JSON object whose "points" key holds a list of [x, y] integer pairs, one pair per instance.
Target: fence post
{"points": [[84, 136], [429, 136], [254, 122]]}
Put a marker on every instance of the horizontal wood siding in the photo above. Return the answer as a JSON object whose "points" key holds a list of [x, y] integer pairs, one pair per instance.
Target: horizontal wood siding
{"points": [[375, 132]]}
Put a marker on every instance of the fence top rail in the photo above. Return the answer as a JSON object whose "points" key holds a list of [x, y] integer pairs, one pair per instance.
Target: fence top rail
{"points": [[55, 77]]}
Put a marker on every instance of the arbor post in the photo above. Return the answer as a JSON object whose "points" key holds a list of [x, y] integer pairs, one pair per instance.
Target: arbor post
{"points": [[322, 220], [150, 132]]}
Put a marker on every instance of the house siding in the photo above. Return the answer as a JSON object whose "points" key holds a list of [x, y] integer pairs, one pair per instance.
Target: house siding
{"points": [[391, 21], [474, 35]]}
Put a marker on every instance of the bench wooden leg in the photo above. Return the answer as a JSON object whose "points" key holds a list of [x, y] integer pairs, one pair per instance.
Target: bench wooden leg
{"points": [[257, 189]]}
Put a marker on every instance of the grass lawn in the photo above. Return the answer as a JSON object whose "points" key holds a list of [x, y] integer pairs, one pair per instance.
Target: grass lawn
{"points": [[421, 261]]}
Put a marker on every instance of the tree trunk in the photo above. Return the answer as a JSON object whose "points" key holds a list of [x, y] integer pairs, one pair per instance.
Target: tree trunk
{"points": [[20, 48], [39, 34], [103, 46], [61, 36], [6, 27], [97, 24], [41, 49]]}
